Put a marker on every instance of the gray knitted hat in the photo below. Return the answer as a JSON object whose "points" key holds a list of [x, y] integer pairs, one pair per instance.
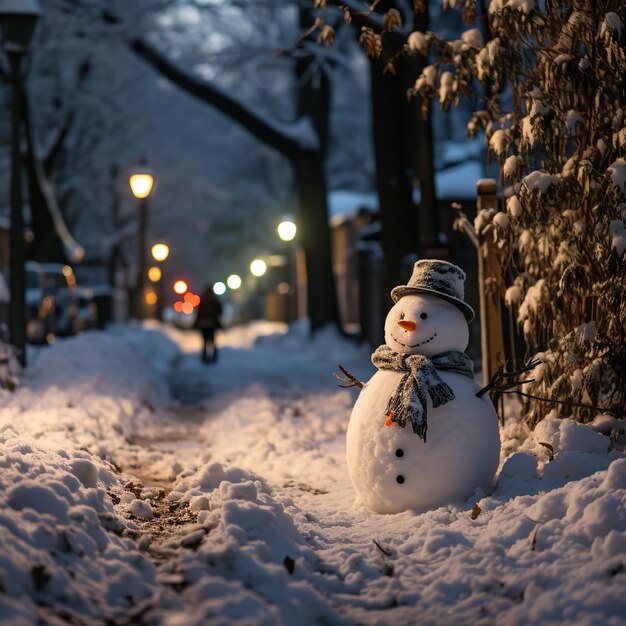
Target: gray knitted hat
{"points": [[438, 278]]}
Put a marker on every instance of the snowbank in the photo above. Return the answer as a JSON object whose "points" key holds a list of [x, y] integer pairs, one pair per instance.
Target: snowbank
{"points": [[92, 391], [68, 547]]}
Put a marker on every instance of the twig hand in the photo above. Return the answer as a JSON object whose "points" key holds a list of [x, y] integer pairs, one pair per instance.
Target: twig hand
{"points": [[501, 380], [348, 378]]}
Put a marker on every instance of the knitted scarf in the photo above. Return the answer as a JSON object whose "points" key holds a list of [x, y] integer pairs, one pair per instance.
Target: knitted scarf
{"points": [[408, 403]]}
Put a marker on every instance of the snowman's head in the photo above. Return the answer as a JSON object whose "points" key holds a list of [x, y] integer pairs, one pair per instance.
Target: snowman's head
{"points": [[425, 324]]}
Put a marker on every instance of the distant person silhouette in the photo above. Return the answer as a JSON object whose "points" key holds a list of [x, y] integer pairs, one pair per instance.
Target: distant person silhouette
{"points": [[207, 322]]}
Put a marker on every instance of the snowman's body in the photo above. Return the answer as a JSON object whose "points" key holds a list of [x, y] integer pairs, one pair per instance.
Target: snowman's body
{"points": [[391, 468]]}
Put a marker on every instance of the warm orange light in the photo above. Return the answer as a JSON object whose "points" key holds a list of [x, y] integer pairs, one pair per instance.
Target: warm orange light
{"points": [[192, 298], [178, 306], [187, 308], [154, 274], [180, 286], [151, 297]]}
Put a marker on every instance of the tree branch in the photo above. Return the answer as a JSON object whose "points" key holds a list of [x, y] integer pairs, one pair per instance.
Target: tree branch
{"points": [[73, 250], [55, 147], [288, 139]]}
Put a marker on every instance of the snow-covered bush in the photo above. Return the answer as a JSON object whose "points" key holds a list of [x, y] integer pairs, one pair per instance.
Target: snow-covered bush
{"points": [[550, 80]]}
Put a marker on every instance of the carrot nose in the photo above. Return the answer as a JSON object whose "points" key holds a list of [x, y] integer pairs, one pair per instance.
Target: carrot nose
{"points": [[407, 325]]}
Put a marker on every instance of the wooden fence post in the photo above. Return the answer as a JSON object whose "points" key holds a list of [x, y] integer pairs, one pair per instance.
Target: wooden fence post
{"points": [[492, 339], [489, 281]]}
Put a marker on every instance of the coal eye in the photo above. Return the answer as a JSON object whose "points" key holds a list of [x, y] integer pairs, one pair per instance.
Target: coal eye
{"points": [[423, 316], [401, 316]]}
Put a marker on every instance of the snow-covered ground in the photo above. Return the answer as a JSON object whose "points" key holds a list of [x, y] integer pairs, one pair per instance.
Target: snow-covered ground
{"points": [[138, 486]]}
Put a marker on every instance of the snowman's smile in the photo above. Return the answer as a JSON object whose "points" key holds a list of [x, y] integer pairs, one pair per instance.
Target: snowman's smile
{"points": [[412, 345]]}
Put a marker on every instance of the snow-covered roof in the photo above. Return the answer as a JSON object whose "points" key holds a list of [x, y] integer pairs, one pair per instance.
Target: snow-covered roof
{"points": [[459, 182], [343, 202], [453, 183]]}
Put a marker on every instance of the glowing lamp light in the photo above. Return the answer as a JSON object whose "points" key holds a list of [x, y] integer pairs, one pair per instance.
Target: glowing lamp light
{"points": [[258, 267], [180, 287], [287, 230], [141, 184], [154, 274], [219, 288], [151, 297], [178, 306], [234, 281], [187, 308], [160, 251]]}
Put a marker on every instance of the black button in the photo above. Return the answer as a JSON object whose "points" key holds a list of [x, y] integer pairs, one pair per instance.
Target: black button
{"points": [[400, 479], [399, 452]]}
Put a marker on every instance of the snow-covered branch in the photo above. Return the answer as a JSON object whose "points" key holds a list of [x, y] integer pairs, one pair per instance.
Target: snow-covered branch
{"points": [[289, 139], [73, 250], [362, 17]]}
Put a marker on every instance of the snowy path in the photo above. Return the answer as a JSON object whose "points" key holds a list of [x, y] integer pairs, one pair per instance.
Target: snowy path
{"points": [[188, 494]]}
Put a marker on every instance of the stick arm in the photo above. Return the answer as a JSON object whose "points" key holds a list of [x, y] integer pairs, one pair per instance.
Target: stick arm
{"points": [[348, 378]]}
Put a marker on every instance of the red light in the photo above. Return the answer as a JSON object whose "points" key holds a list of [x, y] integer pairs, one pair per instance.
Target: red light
{"points": [[178, 307], [187, 308], [192, 298]]}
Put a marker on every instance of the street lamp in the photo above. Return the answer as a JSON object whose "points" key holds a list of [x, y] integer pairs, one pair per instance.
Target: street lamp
{"points": [[151, 297], [287, 230], [154, 274], [180, 287], [233, 281], [258, 267], [141, 182], [160, 251], [18, 19]]}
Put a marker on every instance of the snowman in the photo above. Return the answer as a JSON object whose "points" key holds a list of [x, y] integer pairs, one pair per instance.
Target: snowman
{"points": [[418, 436]]}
